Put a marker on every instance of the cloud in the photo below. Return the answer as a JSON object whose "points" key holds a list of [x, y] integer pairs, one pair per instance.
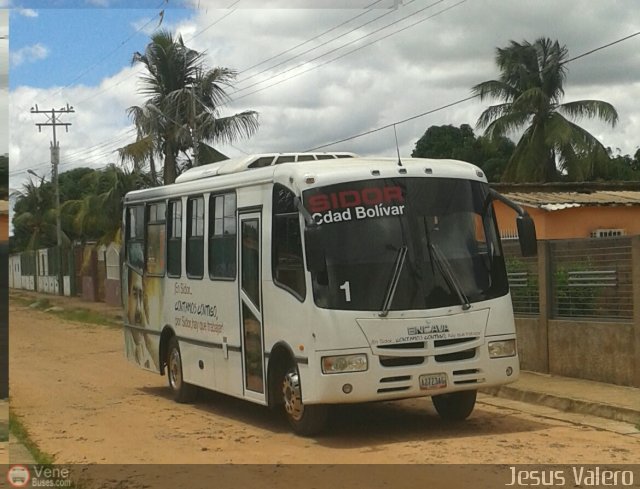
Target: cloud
{"points": [[26, 12], [146, 25], [98, 125], [29, 54], [410, 72]]}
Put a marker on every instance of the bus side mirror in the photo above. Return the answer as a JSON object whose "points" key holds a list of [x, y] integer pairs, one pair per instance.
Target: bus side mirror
{"points": [[314, 249], [527, 235]]}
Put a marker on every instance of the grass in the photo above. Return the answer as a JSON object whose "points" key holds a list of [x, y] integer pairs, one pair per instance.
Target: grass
{"points": [[80, 315], [4, 431], [22, 435], [87, 316]]}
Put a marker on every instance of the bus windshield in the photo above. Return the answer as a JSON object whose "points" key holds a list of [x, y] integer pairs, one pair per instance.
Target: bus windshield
{"points": [[405, 243]]}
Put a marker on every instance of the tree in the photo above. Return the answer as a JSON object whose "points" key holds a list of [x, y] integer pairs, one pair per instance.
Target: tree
{"points": [[34, 219], [531, 85], [182, 110], [461, 144], [97, 215], [447, 142], [4, 176], [615, 166]]}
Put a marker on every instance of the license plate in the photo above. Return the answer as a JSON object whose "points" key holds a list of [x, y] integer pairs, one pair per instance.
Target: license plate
{"points": [[433, 381]]}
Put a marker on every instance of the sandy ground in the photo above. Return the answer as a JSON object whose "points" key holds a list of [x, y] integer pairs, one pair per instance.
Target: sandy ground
{"points": [[83, 403]]}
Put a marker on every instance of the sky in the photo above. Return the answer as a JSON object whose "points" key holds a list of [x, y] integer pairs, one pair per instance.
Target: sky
{"points": [[316, 72]]}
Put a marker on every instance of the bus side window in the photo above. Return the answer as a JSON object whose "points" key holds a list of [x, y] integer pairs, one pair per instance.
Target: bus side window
{"points": [[174, 241], [286, 258], [195, 237], [135, 237], [156, 238], [222, 236]]}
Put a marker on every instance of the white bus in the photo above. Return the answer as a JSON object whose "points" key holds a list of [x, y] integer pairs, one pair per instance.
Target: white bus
{"points": [[301, 281]]}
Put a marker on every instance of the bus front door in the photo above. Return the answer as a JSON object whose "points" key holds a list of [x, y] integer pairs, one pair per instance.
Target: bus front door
{"points": [[251, 306]]}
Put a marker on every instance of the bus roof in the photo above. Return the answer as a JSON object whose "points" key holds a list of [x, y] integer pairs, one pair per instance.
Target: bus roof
{"points": [[249, 162], [302, 175]]}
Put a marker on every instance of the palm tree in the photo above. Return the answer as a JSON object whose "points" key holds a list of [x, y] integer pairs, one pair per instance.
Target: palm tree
{"points": [[531, 86], [181, 112], [34, 220], [98, 215]]}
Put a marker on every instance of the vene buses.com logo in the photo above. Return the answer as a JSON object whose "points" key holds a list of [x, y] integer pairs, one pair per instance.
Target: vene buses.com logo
{"points": [[18, 476]]}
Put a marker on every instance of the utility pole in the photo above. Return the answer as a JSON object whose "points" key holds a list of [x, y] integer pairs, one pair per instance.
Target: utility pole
{"points": [[53, 120]]}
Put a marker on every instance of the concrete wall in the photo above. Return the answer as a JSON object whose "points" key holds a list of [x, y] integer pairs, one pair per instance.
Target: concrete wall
{"points": [[530, 348], [112, 292], [592, 350], [602, 350]]}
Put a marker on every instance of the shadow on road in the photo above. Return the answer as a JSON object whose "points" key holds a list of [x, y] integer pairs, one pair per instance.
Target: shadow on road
{"points": [[367, 425]]}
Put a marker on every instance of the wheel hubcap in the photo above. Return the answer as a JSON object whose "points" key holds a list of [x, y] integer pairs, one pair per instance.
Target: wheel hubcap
{"points": [[175, 369], [291, 396]]}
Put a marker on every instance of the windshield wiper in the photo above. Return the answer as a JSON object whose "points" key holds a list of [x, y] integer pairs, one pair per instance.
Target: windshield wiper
{"points": [[436, 256], [393, 282], [450, 277]]}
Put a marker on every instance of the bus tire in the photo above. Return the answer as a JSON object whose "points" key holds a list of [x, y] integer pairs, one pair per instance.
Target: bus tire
{"points": [[456, 406], [305, 420], [182, 392]]}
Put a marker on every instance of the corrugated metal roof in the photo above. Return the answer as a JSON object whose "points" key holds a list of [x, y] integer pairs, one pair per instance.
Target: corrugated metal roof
{"points": [[563, 200]]}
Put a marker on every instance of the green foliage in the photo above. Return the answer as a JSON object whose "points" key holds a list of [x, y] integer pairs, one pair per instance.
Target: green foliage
{"points": [[72, 185], [526, 299], [34, 219], [90, 207], [97, 214], [572, 301], [21, 433], [615, 167], [531, 87], [182, 108], [461, 144], [4, 176]]}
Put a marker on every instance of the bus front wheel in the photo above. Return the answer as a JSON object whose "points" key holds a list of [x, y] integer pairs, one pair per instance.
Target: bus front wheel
{"points": [[182, 392], [305, 420], [456, 406]]}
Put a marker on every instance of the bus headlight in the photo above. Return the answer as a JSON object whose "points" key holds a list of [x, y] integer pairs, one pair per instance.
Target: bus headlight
{"points": [[344, 363], [504, 348]]}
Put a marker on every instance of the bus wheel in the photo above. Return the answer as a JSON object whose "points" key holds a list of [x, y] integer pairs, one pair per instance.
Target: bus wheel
{"points": [[456, 406], [305, 420], [182, 392]]}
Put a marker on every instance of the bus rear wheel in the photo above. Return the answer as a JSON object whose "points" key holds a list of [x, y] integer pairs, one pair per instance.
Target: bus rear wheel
{"points": [[305, 420], [456, 406], [182, 392]]}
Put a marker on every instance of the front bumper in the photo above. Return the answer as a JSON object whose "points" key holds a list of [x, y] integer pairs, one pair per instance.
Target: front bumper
{"points": [[397, 376]]}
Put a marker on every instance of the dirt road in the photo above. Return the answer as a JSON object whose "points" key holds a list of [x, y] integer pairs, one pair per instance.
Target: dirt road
{"points": [[83, 403]]}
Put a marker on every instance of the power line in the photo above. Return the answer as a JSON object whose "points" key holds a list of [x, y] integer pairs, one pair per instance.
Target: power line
{"points": [[428, 112], [333, 59], [320, 45], [457, 102], [215, 21], [106, 89], [353, 42], [111, 53], [237, 1], [310, 39], [417, 116], [350, 52], [603, 47]]}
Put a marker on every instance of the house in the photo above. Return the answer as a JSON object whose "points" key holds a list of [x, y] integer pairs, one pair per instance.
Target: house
{"points": [[573, 210]]}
